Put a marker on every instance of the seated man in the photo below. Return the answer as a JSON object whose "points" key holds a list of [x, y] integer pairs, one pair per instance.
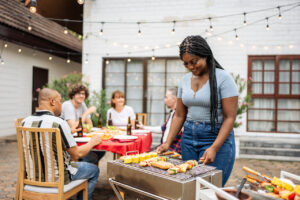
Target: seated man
{"points": [[170, 102], [47, 117], [75, 108]]}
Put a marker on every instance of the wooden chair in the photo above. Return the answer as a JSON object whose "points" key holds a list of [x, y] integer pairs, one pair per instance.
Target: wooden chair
{"points": [[18, 123], [35, 181], [142, 118]]}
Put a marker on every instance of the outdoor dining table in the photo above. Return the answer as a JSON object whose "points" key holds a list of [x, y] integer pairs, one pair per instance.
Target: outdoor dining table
{"points": [[140, 145]]}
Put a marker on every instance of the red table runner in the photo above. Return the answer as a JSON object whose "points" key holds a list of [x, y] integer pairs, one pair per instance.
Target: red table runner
{"points": [[141, 144]]}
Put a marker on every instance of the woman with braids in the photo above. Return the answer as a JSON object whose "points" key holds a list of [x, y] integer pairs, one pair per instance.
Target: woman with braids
{"points": [[206, 108]]}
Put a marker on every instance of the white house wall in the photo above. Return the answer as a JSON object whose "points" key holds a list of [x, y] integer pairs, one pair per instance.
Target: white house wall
{"points": [[16, 81], [122, 40]]}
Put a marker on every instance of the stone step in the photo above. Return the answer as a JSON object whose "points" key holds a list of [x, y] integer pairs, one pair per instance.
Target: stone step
{"points": [[269, 148]]}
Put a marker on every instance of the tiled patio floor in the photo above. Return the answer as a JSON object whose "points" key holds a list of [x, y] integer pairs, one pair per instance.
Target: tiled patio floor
{"points": [[9, 165]]}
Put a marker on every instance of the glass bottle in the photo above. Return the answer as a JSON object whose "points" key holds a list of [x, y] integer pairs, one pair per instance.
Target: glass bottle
{"points": [[136, 123], [129, 127], [99, 123], [109, 123], [80, 133]]}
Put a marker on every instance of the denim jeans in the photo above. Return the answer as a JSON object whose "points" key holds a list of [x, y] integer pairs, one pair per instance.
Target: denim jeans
{"points": [[198, 136], [87, 171]]}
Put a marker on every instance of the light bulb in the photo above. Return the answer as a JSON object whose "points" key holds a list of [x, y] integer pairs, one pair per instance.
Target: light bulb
{"points": [[153, 58], [2, 62], [267, 27], [29, 28], [139, 33], [128, 60], [19, 50], [245, 23], [65, 30], [86, 61], [80, 2], [5, 45], [173, 31], [50, 58], [101, 32], [68, 61], [279, 16], [211, 28], [32, 9], [107, 62]]}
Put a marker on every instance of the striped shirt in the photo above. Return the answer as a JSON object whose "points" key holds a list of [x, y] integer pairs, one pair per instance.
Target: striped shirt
{"points": [[46, 119]]}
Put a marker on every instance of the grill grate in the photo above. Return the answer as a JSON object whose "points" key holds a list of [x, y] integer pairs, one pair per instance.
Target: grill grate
{"points": [[195, 171]]}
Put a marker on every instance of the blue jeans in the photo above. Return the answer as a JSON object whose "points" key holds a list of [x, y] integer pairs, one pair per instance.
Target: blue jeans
{"points": [[198, 136], [87, 171]]}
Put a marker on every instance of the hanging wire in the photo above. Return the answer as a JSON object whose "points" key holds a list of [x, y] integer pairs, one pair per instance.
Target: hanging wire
{"points": [[210, 25], [139, 31], [245, 21], [267, 25], [279, 13], [101, 29], [173, 30]]}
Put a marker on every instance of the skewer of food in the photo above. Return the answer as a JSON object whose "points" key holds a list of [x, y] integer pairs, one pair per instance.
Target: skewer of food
{"points": [[275, 187]]}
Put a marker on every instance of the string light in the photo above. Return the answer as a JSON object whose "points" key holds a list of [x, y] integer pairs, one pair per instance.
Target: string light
{"points": [[128, 60], [236, 35], [65, 30], [68, 60], [33, 6], [80, 2], [107, 62], [86, 59], [291, 46], [173, 30], [19, 50], [50, 58], [29, 24], [5, 45], [267, 26], [2, 61], [245, 22], [139, 32], [101, 30], [279, 13], [153, 57], [210, 25]]}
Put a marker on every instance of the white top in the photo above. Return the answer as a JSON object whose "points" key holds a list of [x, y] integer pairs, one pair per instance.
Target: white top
{"points": [[70, 112], [121, 118], [168, 126]]}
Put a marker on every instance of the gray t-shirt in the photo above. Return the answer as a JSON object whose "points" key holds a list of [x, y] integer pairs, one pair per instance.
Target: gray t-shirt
{"points": [[70, 112], [198, 103]]}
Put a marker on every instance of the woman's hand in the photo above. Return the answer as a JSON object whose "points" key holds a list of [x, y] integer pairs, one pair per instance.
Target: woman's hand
{"points": [[208, 156], [162, 148]]}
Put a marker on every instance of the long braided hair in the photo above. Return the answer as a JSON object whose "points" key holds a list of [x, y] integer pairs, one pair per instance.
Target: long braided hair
{"points": [[197, 46]]}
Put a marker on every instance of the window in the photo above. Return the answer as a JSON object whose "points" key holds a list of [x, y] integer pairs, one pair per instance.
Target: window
{"points": [[144, 82], [275, 91]]}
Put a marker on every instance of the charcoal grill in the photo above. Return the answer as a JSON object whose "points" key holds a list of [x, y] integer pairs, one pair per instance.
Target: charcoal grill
{"points": [[157, 183]]}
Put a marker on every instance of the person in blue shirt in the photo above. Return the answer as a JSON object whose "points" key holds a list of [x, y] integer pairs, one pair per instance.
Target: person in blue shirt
{"points": [[206, 107]]}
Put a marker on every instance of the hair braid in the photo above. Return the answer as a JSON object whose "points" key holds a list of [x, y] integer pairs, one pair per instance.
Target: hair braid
{"points": [[197, 46]]}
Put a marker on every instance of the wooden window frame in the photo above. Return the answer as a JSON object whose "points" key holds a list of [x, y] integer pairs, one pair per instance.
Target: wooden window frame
{"points": [[276, 96], [145, 75]]}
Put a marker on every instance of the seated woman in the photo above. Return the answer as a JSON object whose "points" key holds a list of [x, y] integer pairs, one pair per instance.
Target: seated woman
{"points": [[119, 112]]}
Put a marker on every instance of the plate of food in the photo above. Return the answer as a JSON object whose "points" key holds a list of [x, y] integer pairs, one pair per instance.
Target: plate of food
{"points": [[82, 139], [139, 132], [125, 138]]}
